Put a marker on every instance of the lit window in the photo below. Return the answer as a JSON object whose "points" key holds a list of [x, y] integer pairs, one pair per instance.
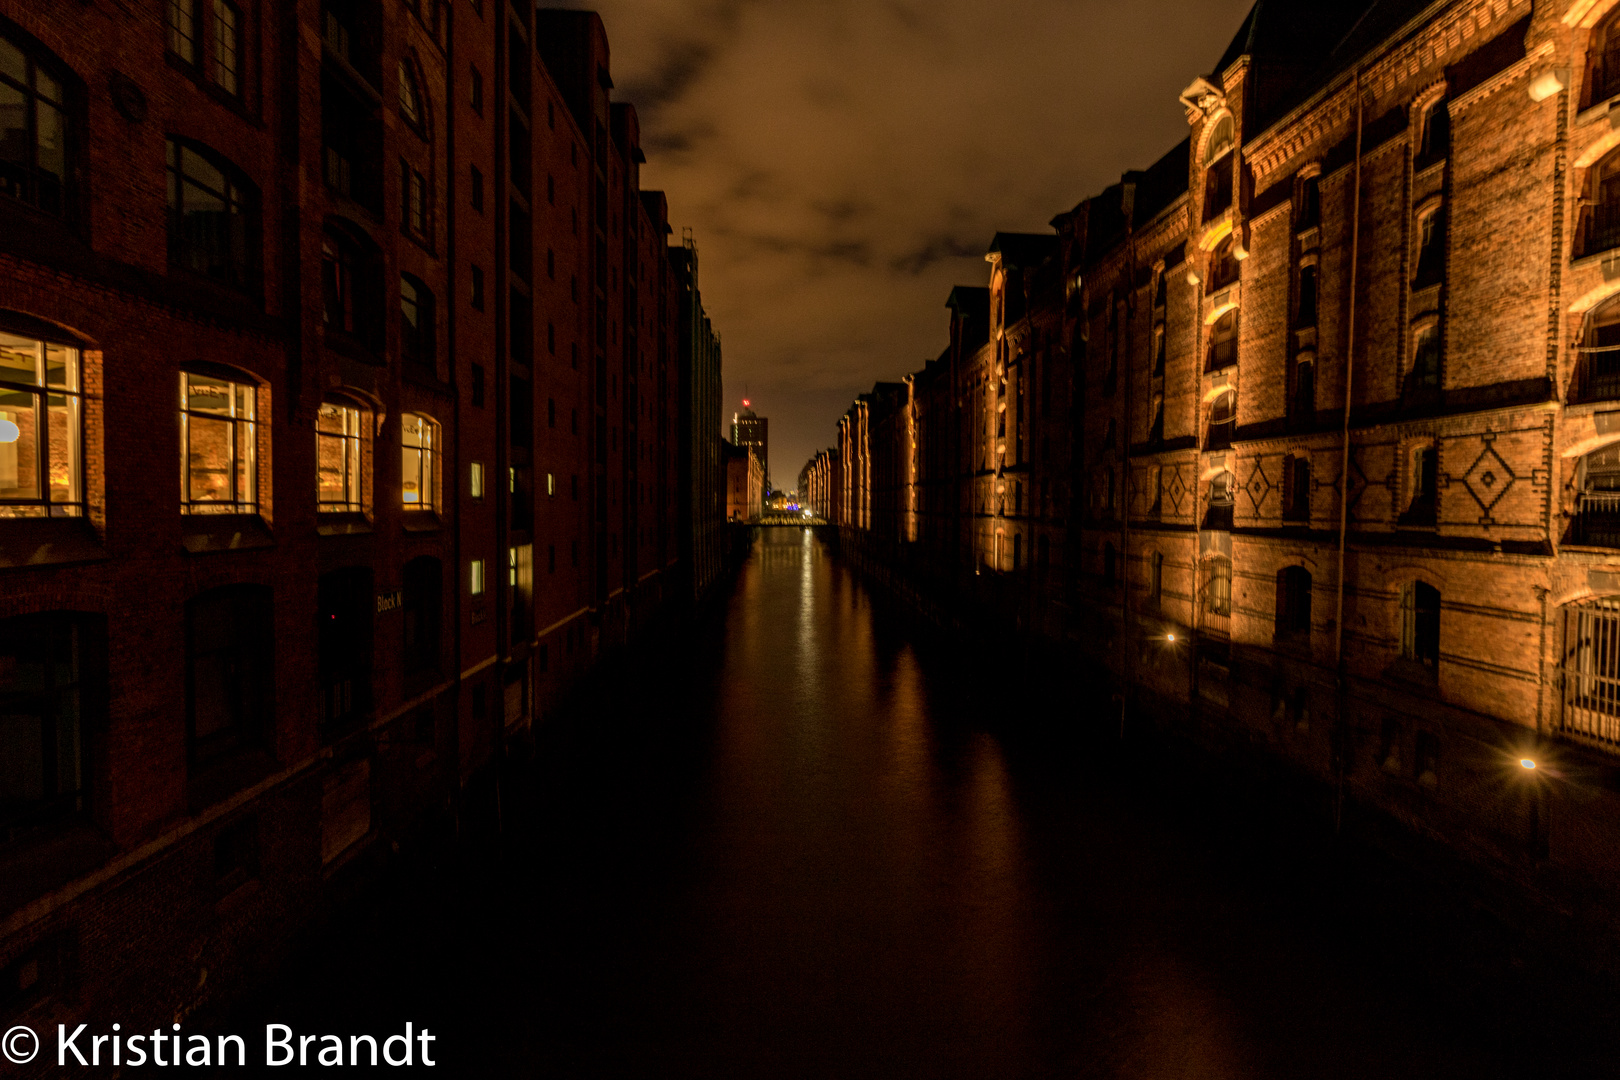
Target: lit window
{"points": [[551, 484], [225, 66], [41, 430], [511, 566], [419, 478], [338, 434], [475, 579], [418, 336], [219, 455], [213, 216], [410, 97], [475, 480], [33, 131], [180, 21]]}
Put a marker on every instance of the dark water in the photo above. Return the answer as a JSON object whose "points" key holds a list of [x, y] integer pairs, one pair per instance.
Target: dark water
{"points": [[810, 845]]}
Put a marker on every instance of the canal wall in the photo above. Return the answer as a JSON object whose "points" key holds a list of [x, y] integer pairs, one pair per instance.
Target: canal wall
{"points": [[1538, 846]]}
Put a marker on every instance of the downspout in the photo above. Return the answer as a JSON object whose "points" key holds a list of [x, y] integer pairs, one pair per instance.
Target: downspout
{"points": [[1344, 466]]}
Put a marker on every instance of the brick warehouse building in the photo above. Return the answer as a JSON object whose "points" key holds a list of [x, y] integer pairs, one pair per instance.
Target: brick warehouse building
{"points": [[434, 363], [1408, 207]]}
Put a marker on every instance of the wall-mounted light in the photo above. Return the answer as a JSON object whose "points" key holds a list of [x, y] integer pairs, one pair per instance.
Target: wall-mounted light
{"points": [[1549, 83]]}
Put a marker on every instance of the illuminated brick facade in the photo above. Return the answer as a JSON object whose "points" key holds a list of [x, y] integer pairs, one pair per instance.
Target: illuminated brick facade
{"points": [[342, 409], [1407, 208]]}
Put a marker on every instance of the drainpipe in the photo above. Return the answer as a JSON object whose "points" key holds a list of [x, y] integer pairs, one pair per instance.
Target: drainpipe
{"points": [[1344, 465]]}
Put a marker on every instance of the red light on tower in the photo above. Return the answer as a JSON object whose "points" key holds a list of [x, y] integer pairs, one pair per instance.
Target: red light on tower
{"points": [[746, 403]]}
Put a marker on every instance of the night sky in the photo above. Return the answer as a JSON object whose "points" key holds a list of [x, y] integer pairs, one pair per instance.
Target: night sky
{"points": [[844, 163]]}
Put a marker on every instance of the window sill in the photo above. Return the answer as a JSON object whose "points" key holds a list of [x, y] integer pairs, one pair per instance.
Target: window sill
{"points": [[28, 542], [348, 523], [205, 533], [421, 521]]}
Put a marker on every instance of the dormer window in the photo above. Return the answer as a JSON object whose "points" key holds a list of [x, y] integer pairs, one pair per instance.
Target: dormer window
{"points": [[1218, 169]]}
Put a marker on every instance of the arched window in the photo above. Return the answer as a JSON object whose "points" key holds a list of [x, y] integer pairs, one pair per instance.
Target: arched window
{"points": [[1600, 206], [1293, 602], [418, 334], [1310, 203], [1223, 340], [1597, 516], [41, 427], [1304, 399], [1425, 374], [350, 289], [213, 216], [419, 477], [1420, 624], [1223, 265], [340, 443], [1306, 317], [1431, 253], [219, 458], [1218, 169], [1603, 62], [1222, 419], [1597, 375], [35, 137], [1425, 487], [1434, 133]]}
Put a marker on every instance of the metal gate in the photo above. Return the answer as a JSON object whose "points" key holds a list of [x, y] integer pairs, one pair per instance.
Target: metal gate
{"points": [[1591, 671]]}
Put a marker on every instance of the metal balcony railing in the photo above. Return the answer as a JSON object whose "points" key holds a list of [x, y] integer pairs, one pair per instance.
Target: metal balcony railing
{"points": [[1597, 519]]}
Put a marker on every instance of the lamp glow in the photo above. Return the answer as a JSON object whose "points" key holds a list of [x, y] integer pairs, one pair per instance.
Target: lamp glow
{"points": [[1171, 638], [9, 432], [1527, 763]]}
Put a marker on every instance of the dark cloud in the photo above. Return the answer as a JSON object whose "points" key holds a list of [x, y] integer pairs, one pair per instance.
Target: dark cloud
{"points": [[843, 163]]}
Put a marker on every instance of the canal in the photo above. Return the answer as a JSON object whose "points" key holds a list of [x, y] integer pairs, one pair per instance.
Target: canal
{"points": [[806, 841]]}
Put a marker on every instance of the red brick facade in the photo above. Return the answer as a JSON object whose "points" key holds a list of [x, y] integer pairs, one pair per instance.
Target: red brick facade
{"points": [[409, 237], [1150, 454]]}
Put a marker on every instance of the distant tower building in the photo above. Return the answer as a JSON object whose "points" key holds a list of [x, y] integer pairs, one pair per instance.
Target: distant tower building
{"points": [[749, 430]]}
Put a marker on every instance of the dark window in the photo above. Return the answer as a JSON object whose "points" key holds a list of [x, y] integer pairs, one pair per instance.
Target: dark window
{"points": [[1110, 567], [236, 854], [46, 665], [1425, 486], [1307, 297], [350, 288], [1222, 419], [1158, 349], [230, 669], [345, 607], [413, 211], [35, 139], [213, 216], [1431, 257], [1601, 210], [475, 91], [1223, 341], [1603, 62], [551, 412], [1434, 140], [418, 340], [1296, 488], [1293, 602], [1310, 203], [1425, 359], [423, 610], [476, 189], [1159, 289], [1156, 582], [1598, 370], [478, 288], [351, 140], [1223, 265], [1218, 169], [1420, 624], [1305, 386], [478, 386], [1156, 425]]}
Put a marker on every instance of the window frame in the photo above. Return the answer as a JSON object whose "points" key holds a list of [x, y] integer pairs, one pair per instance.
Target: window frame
{"points": [[85, 666], [240, 194], [242, 476], [427, 455], [354, 456], [253, 707], [72, 395], [28, 184]]}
